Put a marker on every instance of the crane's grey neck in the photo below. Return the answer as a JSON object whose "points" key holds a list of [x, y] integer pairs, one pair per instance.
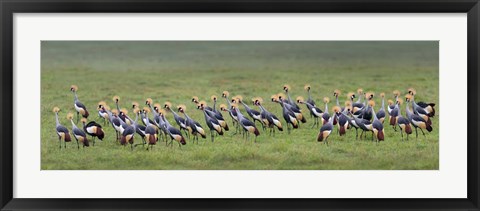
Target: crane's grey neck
{"points": [[374, 114], [155, 113], [214, 105], [75, 96], [244, 104], [56, 118], [73, 124], [338, 104], [186, 116], [174, 113], [326, 108], [239, 115], [309, 104], [383, 103], [309, 96], [360, 98], [262, 108]]}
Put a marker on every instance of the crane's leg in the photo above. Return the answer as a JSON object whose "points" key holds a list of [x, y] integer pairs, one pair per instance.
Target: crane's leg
{"points": [[93, 137], [60, 141], [361, 134], [416, 133], [356, 133], [423, 132], [401, 132], [78, 116], [212, 135], [372, 135], [78, 145]]}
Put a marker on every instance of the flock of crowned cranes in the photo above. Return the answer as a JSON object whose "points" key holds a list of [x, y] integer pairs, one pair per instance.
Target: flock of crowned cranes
{"points": [[359, 114]]}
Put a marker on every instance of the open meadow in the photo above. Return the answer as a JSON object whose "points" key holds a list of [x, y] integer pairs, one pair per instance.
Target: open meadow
{"points": [[177, 70]]}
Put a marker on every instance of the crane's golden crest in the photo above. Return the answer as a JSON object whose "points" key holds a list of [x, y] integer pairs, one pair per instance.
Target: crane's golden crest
{"points": [[412, 91], [382, 94], [259, 99], [183, 107], [286, 87], [203, 103], [234, 105], [239, 98], [300, 99], [225, 94], [223, 107], [307, 87], [213, 98], [336, 93], [400, 101], [336, 109], [156, 105], [116, 98], [390, 102], [369, 95], [146, 109], [350, 95], [348, 103], [281, 96], [83, 120], [102, 103], [135, 104], [70, 115], [360, 91], [234, 100], [326, 100], [115, 111], [74, 88], [371, 103], [136, 110], [148, 101], [56, 109], [124, 111], [195, 99], [396, 93], [163, 112], [408, 97], [167, 104], [274, 98]]}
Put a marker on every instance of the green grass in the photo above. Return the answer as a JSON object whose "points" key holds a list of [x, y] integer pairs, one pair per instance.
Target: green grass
{"points": [[176, 71]]}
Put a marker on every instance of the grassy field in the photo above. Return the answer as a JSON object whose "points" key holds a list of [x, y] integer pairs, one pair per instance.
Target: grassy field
{"points": [[176, 71]]}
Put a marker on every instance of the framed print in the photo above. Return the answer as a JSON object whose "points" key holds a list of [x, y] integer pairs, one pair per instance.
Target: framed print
{"points": [[239, 105]]}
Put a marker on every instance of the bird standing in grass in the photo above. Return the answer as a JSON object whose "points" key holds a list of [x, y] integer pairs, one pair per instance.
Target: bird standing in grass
{"points": [[211, 122], [232, 113], [377, 126], [178, 119], [268, 118], [150, 131], [93, 129], [298, 114], [79, 107], [194, 126], [327, 127], [173, 132], [103, 114], [326, 115], [314, 111], [116, 99], [358, 105], [403, 123], [140, 129], [381, 113], [214, 109], [79, 135], [216, 116], [310, 103], [62, 131], [417, 109], [428, 107], [288, 115], [416, 120], [251, 112], [286, 88], [247, 125]]}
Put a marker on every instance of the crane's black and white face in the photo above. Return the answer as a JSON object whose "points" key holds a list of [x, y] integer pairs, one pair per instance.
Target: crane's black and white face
{"points": [[285, 88], [352, 97]]}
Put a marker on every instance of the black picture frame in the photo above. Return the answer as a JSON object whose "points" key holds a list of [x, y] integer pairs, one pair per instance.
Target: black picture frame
{"points": [[10, 7]]}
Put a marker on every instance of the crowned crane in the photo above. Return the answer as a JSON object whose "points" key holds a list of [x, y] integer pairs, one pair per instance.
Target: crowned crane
{"points": [[157, 122], [363, 124], [314, 111], [178, 119], [393, 114], [111, 118], [116, 99], [211, 122], [118, 123], [286, 88], [173, 132], [62, 131], [367, 110], [128, 135], [403, 123], [358, 105], [381, 112], [214, 115], [79, 107], [103, 114], [326, 129], [390, 107], [377, 128], [93, 129], [326, 115], [247, 125], [296, 111], [195, 127], [428, 107], [351, 121], [214, 109], [139, 129], [150, 132], [251, 112], [310, 103], [336, 94], [232, 113], [343, 121], [79, 135], [288, 114], [268, 118], [416, 120], [417, 109]]}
